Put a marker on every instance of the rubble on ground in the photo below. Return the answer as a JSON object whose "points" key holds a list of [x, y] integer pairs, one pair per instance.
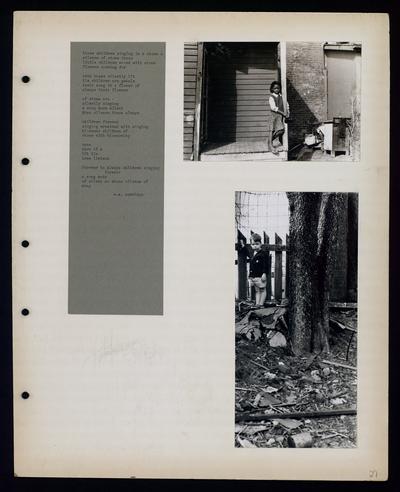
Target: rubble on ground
{"points": [[270, 380]]}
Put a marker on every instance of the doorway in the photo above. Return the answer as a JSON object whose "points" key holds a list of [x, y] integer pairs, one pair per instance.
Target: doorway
{"points": [[343, 80], [236, 87]]}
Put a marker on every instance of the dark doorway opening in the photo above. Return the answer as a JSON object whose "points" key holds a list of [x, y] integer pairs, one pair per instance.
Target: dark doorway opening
{"points": [[236, 89]]}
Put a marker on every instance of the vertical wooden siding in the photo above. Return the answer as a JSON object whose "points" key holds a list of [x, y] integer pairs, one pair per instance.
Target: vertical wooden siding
{"points": [[238, 91], [189, 95]]}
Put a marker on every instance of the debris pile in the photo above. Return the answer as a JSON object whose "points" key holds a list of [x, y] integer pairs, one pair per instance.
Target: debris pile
{"points": [[288, 401]]}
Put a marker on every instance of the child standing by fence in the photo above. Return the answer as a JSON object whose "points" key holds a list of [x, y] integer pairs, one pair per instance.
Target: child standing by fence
{"points": [[280, 111], [258, 269]]}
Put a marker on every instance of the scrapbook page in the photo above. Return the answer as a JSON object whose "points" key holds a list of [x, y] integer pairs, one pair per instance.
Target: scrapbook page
{"points": [[200, 245]]}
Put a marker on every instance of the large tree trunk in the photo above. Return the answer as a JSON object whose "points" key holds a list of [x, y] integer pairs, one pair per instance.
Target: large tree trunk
{"points": [[352, 250], [312, 229]]}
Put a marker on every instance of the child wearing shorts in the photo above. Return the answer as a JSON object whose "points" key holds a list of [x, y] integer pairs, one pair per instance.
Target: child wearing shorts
{"points": [[258, 269]]}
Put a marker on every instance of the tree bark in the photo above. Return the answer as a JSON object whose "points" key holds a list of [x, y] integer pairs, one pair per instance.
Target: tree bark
{"points": [[312, 230], [352, 251]]}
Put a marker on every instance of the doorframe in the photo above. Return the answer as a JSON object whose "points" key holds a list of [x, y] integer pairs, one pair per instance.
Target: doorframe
{"points": [[281, 52], [282, 70]]}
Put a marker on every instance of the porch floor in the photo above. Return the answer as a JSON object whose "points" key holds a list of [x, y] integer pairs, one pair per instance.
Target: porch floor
{"points": [[246, 151]]}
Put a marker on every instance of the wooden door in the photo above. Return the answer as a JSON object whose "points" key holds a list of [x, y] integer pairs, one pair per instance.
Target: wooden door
{"points": [[342, 82]]}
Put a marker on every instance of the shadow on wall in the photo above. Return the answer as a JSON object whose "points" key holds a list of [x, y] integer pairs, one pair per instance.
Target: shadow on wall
{"points": [[302, 119]]}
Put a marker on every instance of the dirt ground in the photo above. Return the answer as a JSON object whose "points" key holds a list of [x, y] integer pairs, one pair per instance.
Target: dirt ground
{"points": [[273, 381], [315, 154]]}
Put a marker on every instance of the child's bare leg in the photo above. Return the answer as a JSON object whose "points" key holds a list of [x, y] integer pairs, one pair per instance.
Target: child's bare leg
{"points": [[269, 141], [270, 147], [263, 295], [257, 295]]}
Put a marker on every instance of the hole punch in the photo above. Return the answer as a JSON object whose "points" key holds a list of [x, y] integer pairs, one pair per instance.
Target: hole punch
{"points": [[25, 161], [25, 79], [25, 312], [25, 243], [25, 395]]}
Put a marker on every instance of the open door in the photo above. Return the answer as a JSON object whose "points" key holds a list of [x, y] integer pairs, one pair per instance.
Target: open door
{"points": [[233, 115], [236, 90]]}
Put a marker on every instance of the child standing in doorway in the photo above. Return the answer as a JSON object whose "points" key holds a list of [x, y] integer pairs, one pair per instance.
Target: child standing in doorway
{"points": [[280, 111], [258, 269]]}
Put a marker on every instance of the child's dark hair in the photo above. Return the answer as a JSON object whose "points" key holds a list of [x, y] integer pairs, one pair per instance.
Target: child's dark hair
{"points": [[256, 238], [274, 83]]}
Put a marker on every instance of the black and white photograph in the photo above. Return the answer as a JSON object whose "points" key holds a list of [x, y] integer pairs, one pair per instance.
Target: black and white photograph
{"points": [[178, 296], [296, 319], [272, 101]]}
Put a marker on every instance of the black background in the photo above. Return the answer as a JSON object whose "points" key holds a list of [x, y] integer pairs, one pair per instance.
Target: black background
{"points": [[7, 479]]}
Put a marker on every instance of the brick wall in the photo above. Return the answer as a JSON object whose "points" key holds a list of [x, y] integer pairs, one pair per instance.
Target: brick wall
{"points": [[306, 88]]}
